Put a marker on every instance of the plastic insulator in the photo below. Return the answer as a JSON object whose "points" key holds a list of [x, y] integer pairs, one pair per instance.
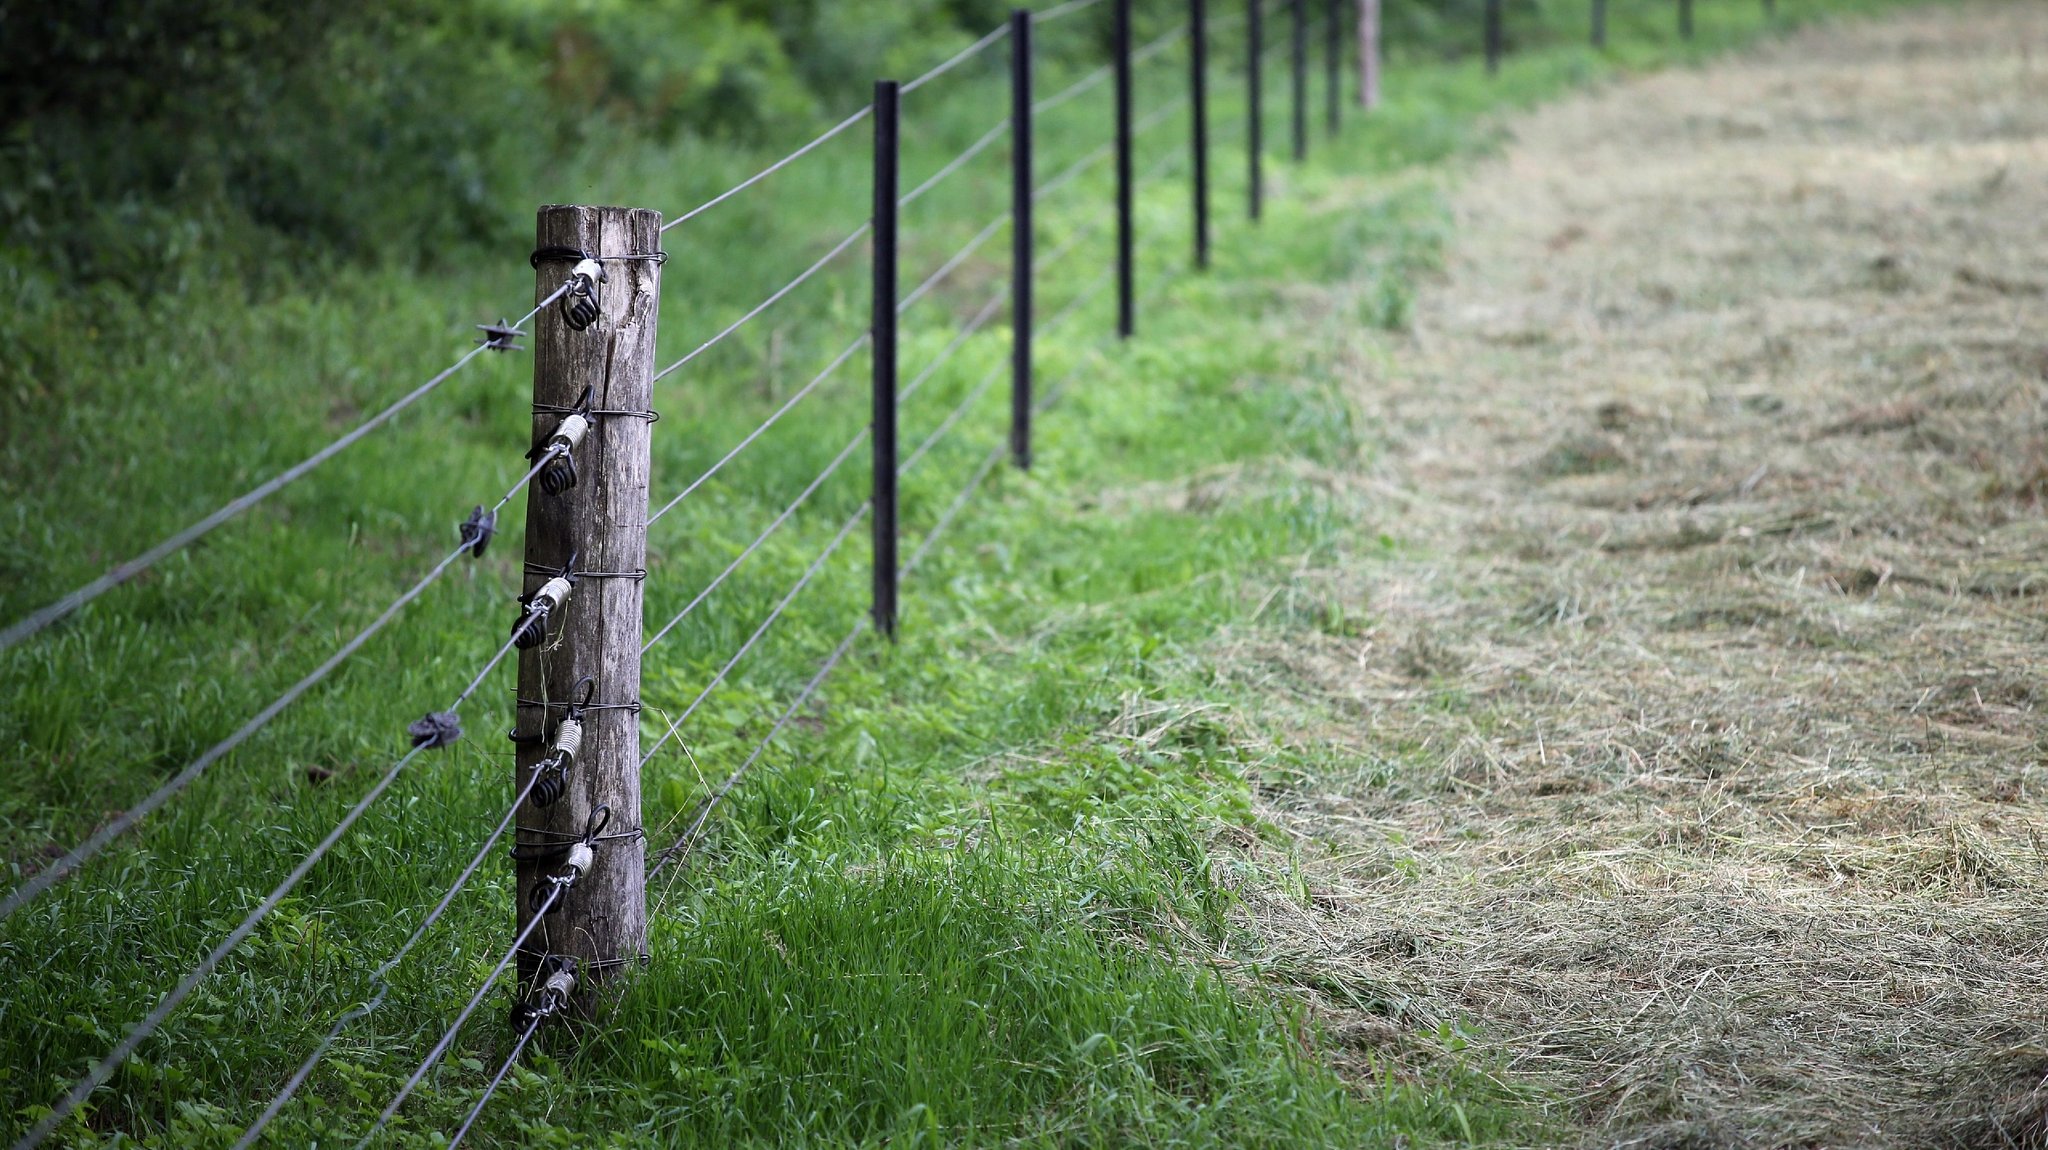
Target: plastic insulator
{"points": [[569, 741], [555, 992], [580, 304], [581, 856], [569, 433]]}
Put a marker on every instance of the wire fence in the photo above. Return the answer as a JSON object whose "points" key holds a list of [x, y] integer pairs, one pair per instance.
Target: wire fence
{"points": [[548, 981]]}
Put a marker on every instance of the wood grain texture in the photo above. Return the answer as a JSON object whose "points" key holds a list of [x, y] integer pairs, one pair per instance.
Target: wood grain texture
{"points": [[603, 522]]}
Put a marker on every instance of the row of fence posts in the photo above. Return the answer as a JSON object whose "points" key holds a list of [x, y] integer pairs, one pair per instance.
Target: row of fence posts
{"points": [[597, 528]]}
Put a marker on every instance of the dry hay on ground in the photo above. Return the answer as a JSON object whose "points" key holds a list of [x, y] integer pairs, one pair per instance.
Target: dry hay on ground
{"points": [[1693, 751]]}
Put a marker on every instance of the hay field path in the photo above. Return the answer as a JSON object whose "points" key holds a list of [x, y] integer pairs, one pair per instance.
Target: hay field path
{"points": [[1691, 749]]}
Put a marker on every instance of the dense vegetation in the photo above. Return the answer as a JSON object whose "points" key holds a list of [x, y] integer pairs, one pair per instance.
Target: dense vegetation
{"points": [[979, 898]]}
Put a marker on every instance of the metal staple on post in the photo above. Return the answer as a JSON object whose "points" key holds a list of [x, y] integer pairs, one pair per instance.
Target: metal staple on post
{"points": [[888, 113], [1126, 271], [599, 360], [1022, 238]]}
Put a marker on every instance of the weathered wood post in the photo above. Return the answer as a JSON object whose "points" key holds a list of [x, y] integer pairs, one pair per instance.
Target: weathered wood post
{"points": [[1368, 53], [599, 364]]}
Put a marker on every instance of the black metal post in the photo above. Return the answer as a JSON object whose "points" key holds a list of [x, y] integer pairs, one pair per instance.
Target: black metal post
{"points": [[1493, 37], [1685, 19], [1021, 238], [1126, 273], [888, 95], [1599, 23], [1300, 80], [1255, 75], [1770, 9], [1198, 28], [1333, 61]]}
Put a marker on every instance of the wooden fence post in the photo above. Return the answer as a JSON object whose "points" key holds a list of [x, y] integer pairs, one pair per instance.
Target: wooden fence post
{"points": [[1368, 53], [595, 531]]}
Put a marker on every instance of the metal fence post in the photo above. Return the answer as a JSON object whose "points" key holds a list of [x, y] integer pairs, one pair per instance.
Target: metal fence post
{"points": [[1300, 60], [1255, 76], [1126, 272], [1333, 62], [1021, 238], [1685, 19], [588, 528], [888, 110], [1599, 23], [1494, 36], [1198, 50]]}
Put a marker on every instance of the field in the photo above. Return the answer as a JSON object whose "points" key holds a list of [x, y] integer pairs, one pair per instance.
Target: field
{"points": [[1687, 740], [1532, 645]]}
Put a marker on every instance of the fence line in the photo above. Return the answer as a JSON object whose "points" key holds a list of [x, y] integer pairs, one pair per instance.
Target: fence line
{"points": [[37, 620], [776, 297], [953, 262], [837, 362], [804, 496], [447, 723], [675, 725], [865, 111], [98, 841]]}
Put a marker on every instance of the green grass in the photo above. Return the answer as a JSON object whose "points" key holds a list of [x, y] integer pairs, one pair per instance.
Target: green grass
{"points": [[969, 900]]}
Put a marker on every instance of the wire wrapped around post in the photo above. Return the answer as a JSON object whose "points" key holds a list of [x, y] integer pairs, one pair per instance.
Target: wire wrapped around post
{"points": [[586, 524]]}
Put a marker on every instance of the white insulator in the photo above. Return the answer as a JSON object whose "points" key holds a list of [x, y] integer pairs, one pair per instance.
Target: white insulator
{"points": [[568, 742], [556, 990], [579, 304], [568, 434], [552, 594], [581, 856]]}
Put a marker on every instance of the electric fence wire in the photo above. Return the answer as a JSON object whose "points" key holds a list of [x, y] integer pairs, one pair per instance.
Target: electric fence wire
{"points": [[953, 417], [1072, 172], [447, 1039], [1159, 115], [765, 304], [1072, 91], [491, 1088], [953, 262], [757, 177], [1159, 44], [79, 855], [380, 979], [804, 496], [700, 816], [967, 331], [972, 150], [39, 619], [818, 564], [830, 369], [105, 1067], [959, 58], [1059, 10]]}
